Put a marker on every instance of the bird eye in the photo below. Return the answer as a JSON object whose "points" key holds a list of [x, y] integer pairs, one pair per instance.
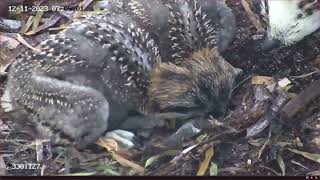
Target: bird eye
{"points": [[309, 11]]}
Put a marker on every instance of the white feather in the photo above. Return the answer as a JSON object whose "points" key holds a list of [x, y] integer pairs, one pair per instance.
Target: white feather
{"points": [[284, 24]]}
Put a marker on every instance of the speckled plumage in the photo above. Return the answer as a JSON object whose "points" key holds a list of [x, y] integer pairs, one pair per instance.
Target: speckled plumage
{"points": [[91, 77], [99, 64], [181, 27]]}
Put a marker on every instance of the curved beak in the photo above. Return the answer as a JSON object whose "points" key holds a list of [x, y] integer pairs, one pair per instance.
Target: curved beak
{"points": [[269, 43]]}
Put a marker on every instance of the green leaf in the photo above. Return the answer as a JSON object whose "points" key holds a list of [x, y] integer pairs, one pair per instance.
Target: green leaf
{"points": [[28, 24], [297, 142], [256, 142], [110, 172], [158, 157], [264, 145], [281, 164], [201, 138], [213, 169]]}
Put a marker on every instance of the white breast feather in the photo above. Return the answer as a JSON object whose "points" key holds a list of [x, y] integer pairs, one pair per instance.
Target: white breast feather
{"points": [[284, 24]]}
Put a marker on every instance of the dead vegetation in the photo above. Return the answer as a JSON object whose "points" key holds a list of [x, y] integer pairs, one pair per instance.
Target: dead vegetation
{"points": [[272, 128]]}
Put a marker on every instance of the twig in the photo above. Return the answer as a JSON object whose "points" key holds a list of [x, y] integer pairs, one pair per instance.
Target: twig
{"points": [[302, 100], [299, 164], [306, 75], [239, 84], [255, 21], [278, 174]]}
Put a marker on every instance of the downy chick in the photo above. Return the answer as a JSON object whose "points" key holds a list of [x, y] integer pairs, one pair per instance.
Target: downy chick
{"points": [[84, 80], [88, 79], [182, 29], [178, 26]]}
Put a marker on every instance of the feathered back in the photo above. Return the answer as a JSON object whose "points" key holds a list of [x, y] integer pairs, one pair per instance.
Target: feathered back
{"points": [[190, 28], [181, 26]]}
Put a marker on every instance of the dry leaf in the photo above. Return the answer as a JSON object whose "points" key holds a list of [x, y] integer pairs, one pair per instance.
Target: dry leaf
{"points": [[50, 22], [24, 42], [36, 21], [127, 163], [256, 142], [9, 42], [28, 24], [108, 143], [253, 18], [205, 163], [317, 141], [266, 80], [112, 146], [311, 156]]}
